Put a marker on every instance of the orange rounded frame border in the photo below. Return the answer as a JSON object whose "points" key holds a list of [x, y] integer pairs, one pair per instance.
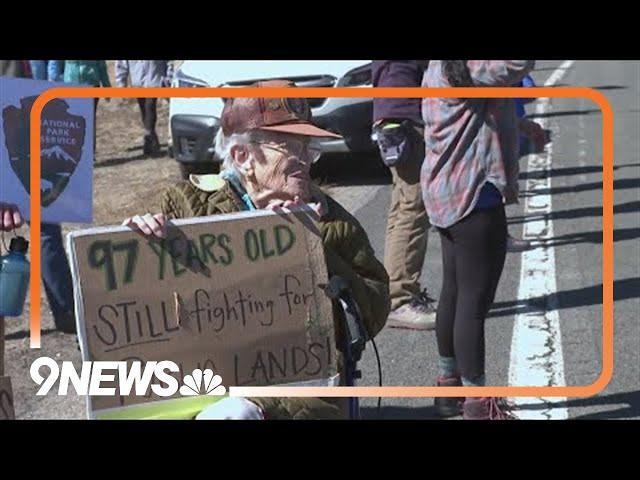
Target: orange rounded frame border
{"points": [[351, 92]]}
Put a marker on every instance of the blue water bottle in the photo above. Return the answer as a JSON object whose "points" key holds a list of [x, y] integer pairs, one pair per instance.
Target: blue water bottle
{"points": [[14, 278]]}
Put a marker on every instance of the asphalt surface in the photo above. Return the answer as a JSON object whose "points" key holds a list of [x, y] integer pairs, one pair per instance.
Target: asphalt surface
{"points": [[409, 357]]}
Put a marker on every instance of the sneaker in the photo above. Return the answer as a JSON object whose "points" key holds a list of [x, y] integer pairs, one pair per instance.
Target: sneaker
{"points": [[448, 406], [418, 314], [517, 244], [487, 408]]}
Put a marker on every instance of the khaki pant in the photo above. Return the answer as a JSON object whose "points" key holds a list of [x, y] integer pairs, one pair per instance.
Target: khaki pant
{"points": [[406, 237]]}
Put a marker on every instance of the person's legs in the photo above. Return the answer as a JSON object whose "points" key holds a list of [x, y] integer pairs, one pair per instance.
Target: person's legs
{"points": [[150, 116], [38, 69], [499, 240], [448, 375], [405, 249], [56, 276], [406, 235], [480, 250], [445, 318], [489, 407], [141, 105], [150, 123], [148, 111], [146, 139], [479, 257]]}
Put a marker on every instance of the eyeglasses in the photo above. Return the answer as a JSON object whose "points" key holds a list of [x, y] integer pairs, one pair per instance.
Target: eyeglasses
{"points": [[309, 149]]}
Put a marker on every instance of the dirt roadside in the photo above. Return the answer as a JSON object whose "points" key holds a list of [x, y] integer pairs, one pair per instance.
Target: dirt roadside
{"points": [[125, 183]]}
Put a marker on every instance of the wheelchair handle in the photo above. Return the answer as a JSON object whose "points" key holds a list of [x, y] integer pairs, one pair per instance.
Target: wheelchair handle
{"points": [[338, 290]]}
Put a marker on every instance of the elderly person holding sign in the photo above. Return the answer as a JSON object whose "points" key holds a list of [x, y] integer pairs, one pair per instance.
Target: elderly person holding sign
{"points": [[268, 146]]}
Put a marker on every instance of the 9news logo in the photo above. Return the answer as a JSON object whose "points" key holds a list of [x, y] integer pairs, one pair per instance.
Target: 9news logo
{"points": [[156, 375]]}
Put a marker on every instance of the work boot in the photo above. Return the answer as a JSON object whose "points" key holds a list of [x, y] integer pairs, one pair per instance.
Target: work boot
{"points": [[448, 406], [418, 314], [487, 408]]}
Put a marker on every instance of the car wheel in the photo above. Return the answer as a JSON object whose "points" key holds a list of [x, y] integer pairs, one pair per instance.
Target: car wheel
{"points": [[198, 168]]}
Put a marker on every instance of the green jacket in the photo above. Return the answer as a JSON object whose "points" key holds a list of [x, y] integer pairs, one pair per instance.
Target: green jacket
{"points": [[348, 253], [86, 72]]}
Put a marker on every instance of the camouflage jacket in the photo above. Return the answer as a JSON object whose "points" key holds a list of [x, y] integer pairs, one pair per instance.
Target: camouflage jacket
{"points": [[348, 254]]}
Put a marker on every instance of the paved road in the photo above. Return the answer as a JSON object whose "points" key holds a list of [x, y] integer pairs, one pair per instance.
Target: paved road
{"points": [[574, 171]]}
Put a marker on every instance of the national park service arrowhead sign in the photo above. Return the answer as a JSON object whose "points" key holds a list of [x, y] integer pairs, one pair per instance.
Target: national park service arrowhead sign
{"points": [[66, 151]]}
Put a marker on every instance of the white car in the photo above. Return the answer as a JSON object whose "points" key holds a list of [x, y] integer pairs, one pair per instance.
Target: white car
{"points": [[193, 122]]}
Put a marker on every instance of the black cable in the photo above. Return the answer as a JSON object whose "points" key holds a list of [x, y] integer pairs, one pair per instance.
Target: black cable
{"points": [[375, 349]]}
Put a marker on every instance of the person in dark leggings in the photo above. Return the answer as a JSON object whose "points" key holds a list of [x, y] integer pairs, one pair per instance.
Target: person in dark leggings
{"points": [[469, 173], [473, 255]]}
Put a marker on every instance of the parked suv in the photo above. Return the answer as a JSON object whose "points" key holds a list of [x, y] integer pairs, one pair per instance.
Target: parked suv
{"points": [[193, 122]]}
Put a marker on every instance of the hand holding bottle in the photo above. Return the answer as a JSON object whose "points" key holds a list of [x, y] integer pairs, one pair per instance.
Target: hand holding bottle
{"points": [[14, 278]]}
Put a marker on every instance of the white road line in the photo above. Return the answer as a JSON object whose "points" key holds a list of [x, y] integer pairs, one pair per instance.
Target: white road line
{"points": [[536, 346]]}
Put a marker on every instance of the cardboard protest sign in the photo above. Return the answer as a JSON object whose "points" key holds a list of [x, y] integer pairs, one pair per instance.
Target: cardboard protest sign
{"points": [[66, 151], [238, 294], [6, 399]]}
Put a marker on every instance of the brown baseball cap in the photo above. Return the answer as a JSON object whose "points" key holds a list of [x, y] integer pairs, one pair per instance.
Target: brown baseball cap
{"points": [[288, 115]]}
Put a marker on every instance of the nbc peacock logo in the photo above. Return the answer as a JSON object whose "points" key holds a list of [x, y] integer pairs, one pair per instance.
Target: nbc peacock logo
{"points": [[202, 382]]}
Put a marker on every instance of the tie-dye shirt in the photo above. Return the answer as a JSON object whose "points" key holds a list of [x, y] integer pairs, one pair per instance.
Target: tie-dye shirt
{"points": [[470, 142]]}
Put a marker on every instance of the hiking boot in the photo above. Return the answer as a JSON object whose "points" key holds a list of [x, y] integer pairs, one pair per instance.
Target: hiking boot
{"points": [[151, 145], [418, 314], [448, 406], [487, 408], [517, 244]]}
